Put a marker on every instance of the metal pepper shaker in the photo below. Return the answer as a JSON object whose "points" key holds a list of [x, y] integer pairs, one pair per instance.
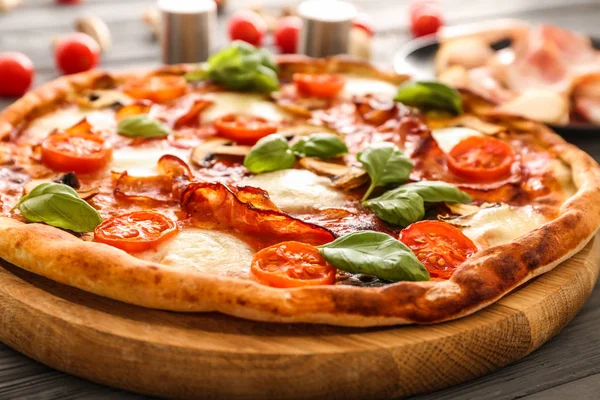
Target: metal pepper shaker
{"points": [[188, 29], [325, 27]]}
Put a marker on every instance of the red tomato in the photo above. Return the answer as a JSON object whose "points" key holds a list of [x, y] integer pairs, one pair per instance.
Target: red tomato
{"points": [[363, 22], [68, 1], [425, 19], [291, 264], [136, 231], [244, 129], [16, 74], [158, 88], [319, 85], [248, 26], [76, 52], [438, 245], [287, 32], [481, 158], [82, 153]]}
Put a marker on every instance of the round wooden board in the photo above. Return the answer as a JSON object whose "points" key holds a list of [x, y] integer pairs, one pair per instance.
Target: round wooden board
{"points": [[215, 356]]}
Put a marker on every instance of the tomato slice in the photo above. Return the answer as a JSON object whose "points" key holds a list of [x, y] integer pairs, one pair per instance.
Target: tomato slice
{"points": [[291, 264], [159, 88], [481, 158], [136, 231], [438, 245], [82, 152], [319, 85], [244, 129]]}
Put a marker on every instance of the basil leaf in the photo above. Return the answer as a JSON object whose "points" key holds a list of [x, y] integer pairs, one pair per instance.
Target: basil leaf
{"points": [[398, 207], [323, 145], [385, 164], [374, 253], [142, 126], [437, 192], [430, 96], [241, 66], [405, 204], [270, 153], [58, 205]]}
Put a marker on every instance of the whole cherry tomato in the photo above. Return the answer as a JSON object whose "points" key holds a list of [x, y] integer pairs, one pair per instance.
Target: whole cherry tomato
{"points": [[425, 18], [286, 33], [248, 26], [363, 22], [16, 74], [68, 1], [76, 52]]}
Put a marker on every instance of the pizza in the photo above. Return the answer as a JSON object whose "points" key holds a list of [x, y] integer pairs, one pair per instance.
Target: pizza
{"points": [[286, 189], [548, 73]]}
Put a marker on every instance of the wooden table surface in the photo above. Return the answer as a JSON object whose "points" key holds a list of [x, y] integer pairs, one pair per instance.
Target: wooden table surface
{"points": [[567, 366]]}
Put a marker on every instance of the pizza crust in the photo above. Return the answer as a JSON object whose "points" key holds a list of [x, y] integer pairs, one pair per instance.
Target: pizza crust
{"points": [[489, 275]]}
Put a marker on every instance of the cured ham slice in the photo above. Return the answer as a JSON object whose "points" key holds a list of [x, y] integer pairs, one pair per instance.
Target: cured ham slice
{"points": [[214, 205]]}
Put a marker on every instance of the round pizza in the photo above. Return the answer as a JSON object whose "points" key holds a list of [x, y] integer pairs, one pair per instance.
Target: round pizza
{"points": [[290, 189]]}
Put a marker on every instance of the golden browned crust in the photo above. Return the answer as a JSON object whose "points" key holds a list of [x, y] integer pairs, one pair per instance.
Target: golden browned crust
{"points": [[489, 275]]}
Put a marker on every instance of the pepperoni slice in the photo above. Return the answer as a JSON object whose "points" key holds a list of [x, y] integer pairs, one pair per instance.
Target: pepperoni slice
{"points": [[291, 264], [438, 245], [481, 158]]}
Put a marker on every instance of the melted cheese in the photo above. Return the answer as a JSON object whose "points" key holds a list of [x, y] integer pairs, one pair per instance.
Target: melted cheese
{"points": [[142, 161], [499, 225], [447, 138], [297, 190], [360, 86], [242, 103], [564, 176], [67, 117], [202, 250]]}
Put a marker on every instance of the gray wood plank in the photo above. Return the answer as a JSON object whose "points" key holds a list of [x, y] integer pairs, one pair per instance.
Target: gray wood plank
{"points": [[587, 388]]}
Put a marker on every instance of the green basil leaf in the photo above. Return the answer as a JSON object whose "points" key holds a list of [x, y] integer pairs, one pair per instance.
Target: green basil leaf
{"points": [[405, 204], [374, 253], [270, 153], [58, 205], [430, 96], [385, 164], [398, 208], [142, 126], [241, 66], [437, 192], [322, 145]]}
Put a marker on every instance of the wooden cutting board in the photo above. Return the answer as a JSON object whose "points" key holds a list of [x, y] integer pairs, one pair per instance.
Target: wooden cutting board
{"points": [[216, 356]]}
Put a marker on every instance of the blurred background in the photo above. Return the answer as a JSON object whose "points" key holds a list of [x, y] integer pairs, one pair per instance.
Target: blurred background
{"points": [[31, 26]]}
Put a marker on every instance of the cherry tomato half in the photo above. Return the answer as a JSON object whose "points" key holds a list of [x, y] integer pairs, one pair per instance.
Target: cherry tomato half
{"points": [[244, 129], [158, 88], [16, 74], [286, 33], [82, 153], [425, 18], [481, 158], [76, 52], [438, 245], [291, 264], [136, 231], [319, 85], [248, 26]]}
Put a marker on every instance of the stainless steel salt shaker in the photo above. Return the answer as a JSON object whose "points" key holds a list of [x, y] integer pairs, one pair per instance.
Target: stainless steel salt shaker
{"points": [[188, 30], [325, 27]]}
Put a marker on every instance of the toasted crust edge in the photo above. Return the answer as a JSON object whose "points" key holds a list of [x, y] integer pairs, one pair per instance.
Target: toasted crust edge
{"points": [[483, 279]]}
